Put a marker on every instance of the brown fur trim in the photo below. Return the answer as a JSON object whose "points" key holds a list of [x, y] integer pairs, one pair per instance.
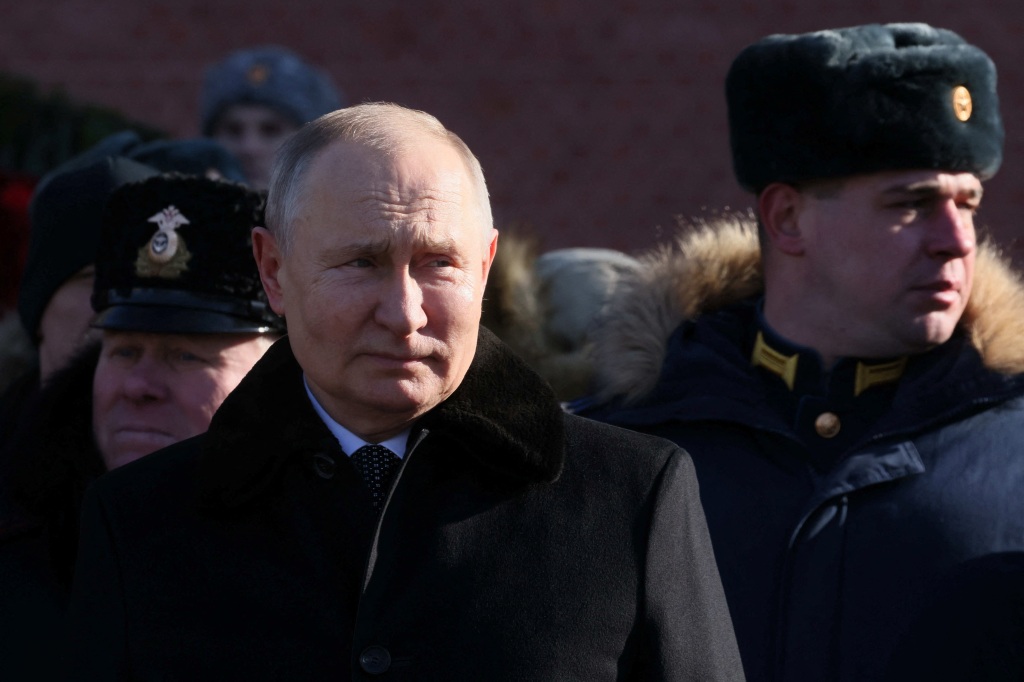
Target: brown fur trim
{"points": [[994, 317], [512, 308], [710, 264]]}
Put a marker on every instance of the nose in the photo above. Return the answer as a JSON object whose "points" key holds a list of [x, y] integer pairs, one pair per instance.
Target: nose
{"points": [[145, 382], [400, 308], [951, 234], [248, 142]]}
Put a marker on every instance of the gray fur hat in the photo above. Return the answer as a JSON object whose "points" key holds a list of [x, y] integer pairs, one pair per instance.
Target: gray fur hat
{"points": [[267, 75], [864, 99]]}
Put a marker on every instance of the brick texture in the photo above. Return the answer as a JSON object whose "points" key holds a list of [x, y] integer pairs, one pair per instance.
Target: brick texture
{"points": [[597, 123]]}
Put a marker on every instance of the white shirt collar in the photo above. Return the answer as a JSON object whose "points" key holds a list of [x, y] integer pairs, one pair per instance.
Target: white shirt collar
{"points": [[349, 441]]}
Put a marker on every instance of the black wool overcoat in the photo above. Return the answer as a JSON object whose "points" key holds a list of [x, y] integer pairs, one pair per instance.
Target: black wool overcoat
{"points": [[517, 543]]}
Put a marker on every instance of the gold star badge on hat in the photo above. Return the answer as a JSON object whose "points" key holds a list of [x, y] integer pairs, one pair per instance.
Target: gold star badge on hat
{"points": [[962, 103], [166, 254]]}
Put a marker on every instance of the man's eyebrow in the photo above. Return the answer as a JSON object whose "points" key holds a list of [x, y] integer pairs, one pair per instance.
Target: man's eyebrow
{"points": [[440, 245], [929, 188], [370, 247]]}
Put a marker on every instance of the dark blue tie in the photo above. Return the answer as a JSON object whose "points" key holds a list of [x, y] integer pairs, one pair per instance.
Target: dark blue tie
{"points": [[376, 464]]}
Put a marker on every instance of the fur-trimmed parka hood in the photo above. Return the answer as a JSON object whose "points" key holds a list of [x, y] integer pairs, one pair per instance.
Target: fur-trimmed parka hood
{"points": [[716, 263]]}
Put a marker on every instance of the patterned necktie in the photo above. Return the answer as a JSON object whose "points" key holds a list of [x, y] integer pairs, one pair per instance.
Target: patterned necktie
{"points": [[376, 464]]}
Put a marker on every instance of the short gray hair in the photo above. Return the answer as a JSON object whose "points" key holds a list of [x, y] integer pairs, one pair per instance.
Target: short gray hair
{"points": [[381, 126]]}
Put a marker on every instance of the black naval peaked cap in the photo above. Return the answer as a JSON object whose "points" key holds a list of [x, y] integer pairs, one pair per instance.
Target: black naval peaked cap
{"points": [[175, 257], [863, 99]]}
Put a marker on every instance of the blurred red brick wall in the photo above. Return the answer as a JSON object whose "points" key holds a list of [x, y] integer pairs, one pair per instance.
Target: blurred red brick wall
{"points": [[596, 122]]}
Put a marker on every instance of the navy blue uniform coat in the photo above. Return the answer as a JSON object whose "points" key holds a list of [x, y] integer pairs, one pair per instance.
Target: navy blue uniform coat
{"points": [[828, 547]]}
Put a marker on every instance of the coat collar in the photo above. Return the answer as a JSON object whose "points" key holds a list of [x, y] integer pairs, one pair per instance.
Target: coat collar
{"points": [[503, 414], [718, 263]]}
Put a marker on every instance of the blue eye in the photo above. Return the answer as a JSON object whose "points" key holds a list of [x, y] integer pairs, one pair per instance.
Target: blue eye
{"points": [[124, 352]]}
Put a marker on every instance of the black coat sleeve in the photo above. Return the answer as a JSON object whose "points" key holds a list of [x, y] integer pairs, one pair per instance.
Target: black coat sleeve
{"points": [[689, 633]]}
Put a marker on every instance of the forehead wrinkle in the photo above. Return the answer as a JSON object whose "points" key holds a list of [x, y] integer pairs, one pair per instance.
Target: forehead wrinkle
{"points": [[395, 214], [393, 200]]}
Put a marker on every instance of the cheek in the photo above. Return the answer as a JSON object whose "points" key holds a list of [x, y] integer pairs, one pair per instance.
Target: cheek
{"points": [[105, 385], [453, 311], [198, 395]]}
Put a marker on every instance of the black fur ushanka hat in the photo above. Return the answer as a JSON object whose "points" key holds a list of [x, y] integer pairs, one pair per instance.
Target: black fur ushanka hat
{"points": [[861, 100]]}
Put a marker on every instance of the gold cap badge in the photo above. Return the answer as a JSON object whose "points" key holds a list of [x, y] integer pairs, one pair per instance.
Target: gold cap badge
{"points": [[166, 254], [962, 103]]}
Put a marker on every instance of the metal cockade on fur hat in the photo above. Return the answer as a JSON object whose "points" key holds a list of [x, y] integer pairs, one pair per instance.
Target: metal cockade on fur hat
{"points": [[864, 99], [175, 257]]}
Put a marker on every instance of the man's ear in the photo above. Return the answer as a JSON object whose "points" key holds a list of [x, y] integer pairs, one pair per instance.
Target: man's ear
{"points": [[492, 249], [780, 206], [270, 263]]}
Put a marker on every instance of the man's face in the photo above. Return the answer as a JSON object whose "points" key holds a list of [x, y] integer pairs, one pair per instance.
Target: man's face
{"points": [[153, 390], [64, 326], [383, 283], [890, 260], [253, 132]]}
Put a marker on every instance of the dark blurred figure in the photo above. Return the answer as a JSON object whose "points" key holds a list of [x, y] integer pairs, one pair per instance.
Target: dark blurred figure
{"points": [[199, 156], [194, 156], [255, 98], [183, 317], [17, 355], [67, 214]]}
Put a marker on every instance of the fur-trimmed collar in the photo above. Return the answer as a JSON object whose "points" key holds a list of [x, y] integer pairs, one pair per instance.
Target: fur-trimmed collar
{"points": [[718, 262], [502, 414]]}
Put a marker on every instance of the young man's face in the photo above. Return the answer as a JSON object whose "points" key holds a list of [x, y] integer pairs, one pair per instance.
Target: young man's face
{"points": [[889, 260], [253, 132]]}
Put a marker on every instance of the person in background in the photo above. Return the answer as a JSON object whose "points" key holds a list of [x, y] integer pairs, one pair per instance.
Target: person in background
{"points": [[17, 353], [66, 214], [543, 305], [191, 156], [181, 317], [254, 99], [66, 210], [847, 375], [391, 491]]}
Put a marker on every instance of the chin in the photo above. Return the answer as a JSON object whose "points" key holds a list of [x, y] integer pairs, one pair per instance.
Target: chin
{"points": [[121, 458], [937, 330], [408, 399]]}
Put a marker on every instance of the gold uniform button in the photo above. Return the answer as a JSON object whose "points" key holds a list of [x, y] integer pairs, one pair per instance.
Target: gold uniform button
{"points": [[827, 425]]}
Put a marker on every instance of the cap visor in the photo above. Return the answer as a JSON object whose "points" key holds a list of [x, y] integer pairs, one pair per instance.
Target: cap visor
{"points": [[174, 320]]}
